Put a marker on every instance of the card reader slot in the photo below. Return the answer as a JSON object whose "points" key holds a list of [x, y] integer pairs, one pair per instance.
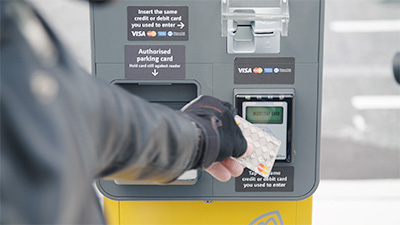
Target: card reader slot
{"points": [[173, 95]]}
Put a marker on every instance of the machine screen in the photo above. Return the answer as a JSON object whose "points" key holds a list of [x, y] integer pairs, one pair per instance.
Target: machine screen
{"points": [[265, 115]]}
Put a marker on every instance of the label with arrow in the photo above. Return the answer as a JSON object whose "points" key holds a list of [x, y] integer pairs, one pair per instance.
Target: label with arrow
{"points": [[155, 61], [158, 23]]}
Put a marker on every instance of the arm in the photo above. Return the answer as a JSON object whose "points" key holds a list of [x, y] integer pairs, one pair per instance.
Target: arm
{"points": [[139, 140], [61, 128]]}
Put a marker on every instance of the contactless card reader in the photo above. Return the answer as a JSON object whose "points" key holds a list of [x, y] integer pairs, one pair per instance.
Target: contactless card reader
{"points": [[272, 112]]}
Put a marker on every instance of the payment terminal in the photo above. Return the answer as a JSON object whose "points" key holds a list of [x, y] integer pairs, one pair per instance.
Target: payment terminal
{"points": [[263, 56]]}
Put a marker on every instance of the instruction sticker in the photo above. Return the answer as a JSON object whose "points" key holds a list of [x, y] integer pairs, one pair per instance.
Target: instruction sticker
{"points": [[158, 23], [271, 70], [155, 61], [280, 179]]}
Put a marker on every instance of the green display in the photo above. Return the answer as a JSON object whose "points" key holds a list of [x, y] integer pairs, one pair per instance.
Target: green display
{"points": [[264, 114]]}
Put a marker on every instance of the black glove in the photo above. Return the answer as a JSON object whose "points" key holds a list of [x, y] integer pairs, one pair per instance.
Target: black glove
{"points": [[220, 136]]}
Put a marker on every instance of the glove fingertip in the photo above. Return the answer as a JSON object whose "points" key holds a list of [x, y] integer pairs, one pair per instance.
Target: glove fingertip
{"points": [[240, 146], [230, 107]]}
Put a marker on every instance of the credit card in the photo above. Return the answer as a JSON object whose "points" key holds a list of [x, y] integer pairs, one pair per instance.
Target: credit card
{"points": [[265, 147]]}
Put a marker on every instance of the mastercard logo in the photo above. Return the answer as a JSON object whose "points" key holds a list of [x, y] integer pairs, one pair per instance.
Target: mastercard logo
{"points": [[262, 169], [257, 70], [151, 33]]}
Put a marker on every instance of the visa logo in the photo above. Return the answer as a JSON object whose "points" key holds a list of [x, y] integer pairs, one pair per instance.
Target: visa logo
{"points": [[138, 33], [245, 70]]}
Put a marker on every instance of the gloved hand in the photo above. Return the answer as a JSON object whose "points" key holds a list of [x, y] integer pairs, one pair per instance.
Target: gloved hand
{"points": [[220, 136]]}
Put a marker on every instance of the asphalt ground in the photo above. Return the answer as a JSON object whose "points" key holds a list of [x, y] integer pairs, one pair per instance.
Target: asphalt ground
{"points": [[358, 64]]}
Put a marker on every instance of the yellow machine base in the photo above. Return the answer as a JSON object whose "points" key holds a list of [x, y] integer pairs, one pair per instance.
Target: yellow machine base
{"points": [[217, 212]]}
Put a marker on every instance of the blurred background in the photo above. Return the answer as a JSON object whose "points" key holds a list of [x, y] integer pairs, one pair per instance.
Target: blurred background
{"points": [[360, 147]]}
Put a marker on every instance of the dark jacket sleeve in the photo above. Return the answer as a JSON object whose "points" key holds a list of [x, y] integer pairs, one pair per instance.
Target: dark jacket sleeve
{"points": [[117, 134], [61, 129], [137, 140]]}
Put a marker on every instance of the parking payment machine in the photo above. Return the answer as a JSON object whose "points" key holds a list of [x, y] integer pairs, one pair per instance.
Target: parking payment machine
{"points": [[263, 56]]}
